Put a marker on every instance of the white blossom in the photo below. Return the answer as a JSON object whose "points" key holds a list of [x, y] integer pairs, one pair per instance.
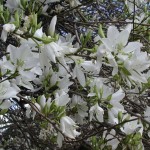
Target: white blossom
{"points": [[79, 74], [115, 102], [132, 126], [98, 111], [61, 98], [68, 127], [6, 29], [52, 26], [7, 91], [112, 140], [12, 5], [147, 114]]}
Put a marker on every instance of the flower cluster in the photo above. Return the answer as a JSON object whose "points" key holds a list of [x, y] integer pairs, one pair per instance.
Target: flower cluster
{"points": [[65, 82]]}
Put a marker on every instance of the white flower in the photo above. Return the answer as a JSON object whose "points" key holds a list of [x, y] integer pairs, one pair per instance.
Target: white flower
{"points": [[54, 79], [112, 47], [28, 110], [77, 72], [74, 3], [81, 106], [147, 114], [111, 140], [7, 91], [22, 59], [96, 109], [52, 50], [37, 108], [6, 29], [12, 4], [112, 62], [112, 118], [115, 38], [68, 127], [103, 91], [39, 33], [60, 138], [6, 104], [89, 66], [136, 65], [115, 102], [43, 102], [64, 83], [52, 25], [132, 126], [61, 98], [66, 44]]}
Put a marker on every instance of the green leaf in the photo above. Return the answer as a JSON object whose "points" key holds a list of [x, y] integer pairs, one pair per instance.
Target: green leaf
{"points": [[109, 106], [87, 38], [3, 111], [6, 15], [101, 32], [109, 97], [82, 39], [23, 3], [120, 116], [45, 110], [125, 71], [17, 19]]}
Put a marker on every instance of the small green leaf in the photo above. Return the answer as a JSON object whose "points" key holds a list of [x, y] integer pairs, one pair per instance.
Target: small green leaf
{"points": [[3, 111], [125, 71], [17, 19], [120, 116], [101, 32]]}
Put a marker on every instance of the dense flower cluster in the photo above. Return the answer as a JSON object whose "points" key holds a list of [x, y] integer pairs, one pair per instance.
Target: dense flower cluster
{"points": [[71, 90]]}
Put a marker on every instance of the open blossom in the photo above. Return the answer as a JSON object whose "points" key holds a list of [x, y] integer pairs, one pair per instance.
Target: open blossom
{"points": [[115, 102], [116, 106], [136, 65], [81, 106], [74, 3], [115, 38], [147, 113], [22, 60], [61, 98], [102, 91], [111, 46], [77, 72], [6, 92], [37, 108], [5, 104], [52, 50], [68, 127], [12, 5], [127, 59], [6, 29], [98, 111], [132, 126], [111, 140]]}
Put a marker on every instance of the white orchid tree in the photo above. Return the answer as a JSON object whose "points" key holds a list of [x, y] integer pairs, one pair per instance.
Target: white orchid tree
{"points": [[85, 84]]}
